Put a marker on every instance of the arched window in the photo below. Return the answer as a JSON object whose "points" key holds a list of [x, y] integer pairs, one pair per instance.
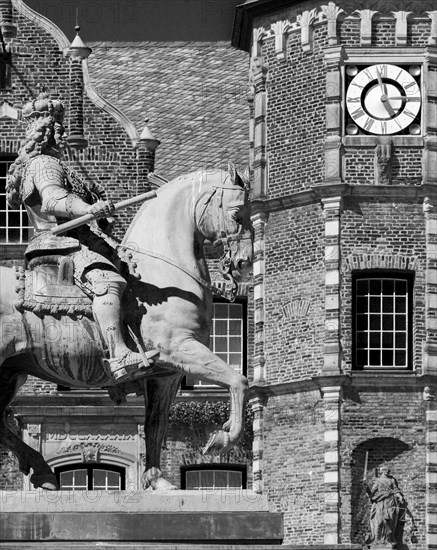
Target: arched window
{"points": [[214, 476], [91, 477]]}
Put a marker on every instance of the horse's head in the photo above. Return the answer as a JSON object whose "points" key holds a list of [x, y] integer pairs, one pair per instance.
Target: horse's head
{"points": [[223, 217]]}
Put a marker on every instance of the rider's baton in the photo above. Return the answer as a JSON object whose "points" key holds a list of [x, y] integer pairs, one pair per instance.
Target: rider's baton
{"points": [[89, 217]]}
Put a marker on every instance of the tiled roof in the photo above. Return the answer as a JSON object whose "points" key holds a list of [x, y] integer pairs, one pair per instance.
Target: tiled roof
{"points": [[193, 93]]}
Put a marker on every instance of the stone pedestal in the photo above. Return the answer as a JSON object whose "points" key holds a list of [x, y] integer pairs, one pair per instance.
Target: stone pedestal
{"points": [[126, 516]]}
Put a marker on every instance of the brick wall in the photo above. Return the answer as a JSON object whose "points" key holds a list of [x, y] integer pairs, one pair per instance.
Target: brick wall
{"points": [[379, 227], [293, 454]]}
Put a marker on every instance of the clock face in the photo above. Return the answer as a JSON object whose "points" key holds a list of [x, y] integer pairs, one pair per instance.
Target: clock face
{"points": [[383, 99]]}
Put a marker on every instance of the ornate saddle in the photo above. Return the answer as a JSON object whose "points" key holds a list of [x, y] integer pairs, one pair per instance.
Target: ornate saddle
{"points": [[47, 287]]}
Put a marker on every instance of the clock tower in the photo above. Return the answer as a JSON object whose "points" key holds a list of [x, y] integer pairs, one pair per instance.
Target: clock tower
{"points": [[343, 132]]}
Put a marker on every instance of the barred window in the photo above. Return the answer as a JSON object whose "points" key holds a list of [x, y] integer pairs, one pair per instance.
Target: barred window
{"points": [[213, 476], [227, 338], [382, 321], [14, 224]]}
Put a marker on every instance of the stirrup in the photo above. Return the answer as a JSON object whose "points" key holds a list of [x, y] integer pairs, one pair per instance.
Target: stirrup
{"points": [[125, 368]]}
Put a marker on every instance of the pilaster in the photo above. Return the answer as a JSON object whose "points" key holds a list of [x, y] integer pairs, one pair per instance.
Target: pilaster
{"points": [[9, 30], [332, 346], [260, 72], [430, 348], [259, 221], [431, 476], [332, 396], [257, 445]]}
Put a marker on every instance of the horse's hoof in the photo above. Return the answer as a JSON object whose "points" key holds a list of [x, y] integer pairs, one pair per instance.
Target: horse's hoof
{"points": [[161, 485], [47, 482], [218, 443]]}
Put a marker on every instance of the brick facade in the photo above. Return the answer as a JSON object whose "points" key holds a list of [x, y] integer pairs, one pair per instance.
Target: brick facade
{"points": [[330, 212]]}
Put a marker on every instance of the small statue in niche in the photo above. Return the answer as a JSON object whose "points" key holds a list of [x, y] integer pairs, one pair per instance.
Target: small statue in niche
{"points": [[389, 511], [383, 157]]}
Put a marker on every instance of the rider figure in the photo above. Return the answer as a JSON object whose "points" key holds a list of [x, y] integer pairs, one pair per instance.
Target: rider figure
{"points": [[52, 194]]}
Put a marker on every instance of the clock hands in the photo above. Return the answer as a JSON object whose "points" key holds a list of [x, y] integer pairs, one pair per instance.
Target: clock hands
{"points": [[381, 85], [404, 98]]}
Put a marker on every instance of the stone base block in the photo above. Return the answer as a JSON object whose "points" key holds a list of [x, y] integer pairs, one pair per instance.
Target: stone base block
{"points": [[175, 517]]}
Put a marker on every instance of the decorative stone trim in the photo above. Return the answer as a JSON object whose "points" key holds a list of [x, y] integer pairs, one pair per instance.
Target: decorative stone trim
{"points": [[259, 35], [431, 479], [331, 11], [329, 14], [259, 75], [9, 30], [296, 308], [106, 106], [259, 222], [381, 261], [432, 40], [44, 23], [257, 445], [366, 17], [332, 346], [401, 27], [280, 28], [7, 111], [430, 348], [305, 21], [332, 396]]}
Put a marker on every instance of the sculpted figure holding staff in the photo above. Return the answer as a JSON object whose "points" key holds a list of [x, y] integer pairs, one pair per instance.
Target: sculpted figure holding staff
{"points": [[53, 194]]}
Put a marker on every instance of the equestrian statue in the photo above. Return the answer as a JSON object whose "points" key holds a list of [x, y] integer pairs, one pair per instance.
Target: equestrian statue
{"points": [[130, 316]]}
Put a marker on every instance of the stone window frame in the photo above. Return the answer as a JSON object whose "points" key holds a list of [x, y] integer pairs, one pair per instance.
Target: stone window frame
{"points": [[384, 274], [90, 468], [222, 467], [191, 384]]}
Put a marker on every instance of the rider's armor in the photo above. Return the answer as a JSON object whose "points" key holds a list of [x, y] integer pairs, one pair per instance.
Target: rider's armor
{"points": [[46, 181], [87, 250]]}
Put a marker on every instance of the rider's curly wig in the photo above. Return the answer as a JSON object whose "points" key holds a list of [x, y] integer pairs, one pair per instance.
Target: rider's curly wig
{"points": [[40, 137]]}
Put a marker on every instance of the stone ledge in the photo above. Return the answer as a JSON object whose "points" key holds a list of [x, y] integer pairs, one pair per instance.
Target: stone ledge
{"points": [[40, 501]]}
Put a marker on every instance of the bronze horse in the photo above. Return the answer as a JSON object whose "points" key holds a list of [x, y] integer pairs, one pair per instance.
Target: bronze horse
{"points": [[174, 293]]}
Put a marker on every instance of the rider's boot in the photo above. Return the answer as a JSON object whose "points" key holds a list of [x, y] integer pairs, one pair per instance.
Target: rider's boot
{"points": [[125, 364]]}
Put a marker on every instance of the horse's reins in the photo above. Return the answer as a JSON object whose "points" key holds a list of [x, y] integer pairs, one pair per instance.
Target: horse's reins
{"points": [[225, 261]]}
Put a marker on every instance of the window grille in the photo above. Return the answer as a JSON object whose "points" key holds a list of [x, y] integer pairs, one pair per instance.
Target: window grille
{"points": [[213, 476], [14, 224], [91, 477], [227, 338], [382, 322]]}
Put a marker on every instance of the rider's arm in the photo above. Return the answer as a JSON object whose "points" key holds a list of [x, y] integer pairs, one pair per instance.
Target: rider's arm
{"points": [[48, 177]]}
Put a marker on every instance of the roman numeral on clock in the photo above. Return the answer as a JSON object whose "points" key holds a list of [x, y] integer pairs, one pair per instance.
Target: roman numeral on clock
{"points": [[358, 113], [368, 124]]}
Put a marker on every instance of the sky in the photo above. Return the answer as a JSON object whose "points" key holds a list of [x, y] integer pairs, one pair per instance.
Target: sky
{"points": [[142, 20]]}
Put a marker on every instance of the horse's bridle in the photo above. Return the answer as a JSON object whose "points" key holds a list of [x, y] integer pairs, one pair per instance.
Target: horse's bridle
{"points": [[225, 262]]}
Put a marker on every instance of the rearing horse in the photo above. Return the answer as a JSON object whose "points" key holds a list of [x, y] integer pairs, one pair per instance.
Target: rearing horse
{"points": [[172, 313]]}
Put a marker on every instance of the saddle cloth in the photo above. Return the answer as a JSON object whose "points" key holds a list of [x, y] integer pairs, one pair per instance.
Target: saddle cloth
{"points": [[47, 287]]}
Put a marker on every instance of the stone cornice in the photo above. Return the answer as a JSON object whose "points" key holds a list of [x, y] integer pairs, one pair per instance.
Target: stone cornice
{"points": [[371, 381], [316, 194], [44, 23], [95, 404]]}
